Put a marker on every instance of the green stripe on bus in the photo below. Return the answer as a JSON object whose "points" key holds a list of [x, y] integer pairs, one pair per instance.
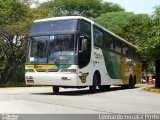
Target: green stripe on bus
{"points": [[111, 62]]}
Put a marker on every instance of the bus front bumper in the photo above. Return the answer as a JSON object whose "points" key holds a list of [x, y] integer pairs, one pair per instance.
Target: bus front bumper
{"points": [[57, 79]]}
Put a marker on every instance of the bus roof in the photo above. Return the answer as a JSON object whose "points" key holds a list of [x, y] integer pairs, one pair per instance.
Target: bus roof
{"points": [[80, 17], [63, 18]]}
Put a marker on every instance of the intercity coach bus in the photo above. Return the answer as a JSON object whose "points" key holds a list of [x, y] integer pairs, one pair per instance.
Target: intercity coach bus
{"points": [[75, 52]]}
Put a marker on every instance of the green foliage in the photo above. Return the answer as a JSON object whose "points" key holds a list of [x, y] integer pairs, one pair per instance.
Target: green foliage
{"points": [[72, 7], [136, 29], [87, 8], [115, 21], [110, 7], [2, 4], [15, 21], [129, 26], [150, 45]]}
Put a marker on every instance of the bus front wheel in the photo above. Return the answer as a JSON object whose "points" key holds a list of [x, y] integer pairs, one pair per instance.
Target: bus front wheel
{"points": [[55, 89], [93, 88]]}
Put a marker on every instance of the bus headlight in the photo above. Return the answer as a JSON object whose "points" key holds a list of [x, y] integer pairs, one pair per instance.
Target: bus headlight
{"points": [[29, 80], [66, 78], [29, 77]]}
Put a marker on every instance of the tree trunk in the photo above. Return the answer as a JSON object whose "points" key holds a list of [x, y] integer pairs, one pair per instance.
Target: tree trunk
{"points": [[157, 80]]}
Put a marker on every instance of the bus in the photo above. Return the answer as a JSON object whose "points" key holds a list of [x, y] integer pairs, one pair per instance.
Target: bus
{"points": [[75, 52]]}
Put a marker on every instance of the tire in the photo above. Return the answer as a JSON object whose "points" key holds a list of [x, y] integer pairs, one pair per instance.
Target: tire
{"points": [[131, 83], [55, 89], [104, 87], [93, 88]]}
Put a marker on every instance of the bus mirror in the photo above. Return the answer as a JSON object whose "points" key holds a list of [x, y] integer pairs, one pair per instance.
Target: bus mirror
{"points": [[82, 44]]}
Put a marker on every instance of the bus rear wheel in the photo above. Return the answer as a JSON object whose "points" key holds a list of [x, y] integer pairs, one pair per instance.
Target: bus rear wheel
{"points": [[55, 89], [131, 82], [93, 88]]}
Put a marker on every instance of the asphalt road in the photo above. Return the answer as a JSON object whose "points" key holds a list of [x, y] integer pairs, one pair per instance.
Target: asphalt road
{"points": [[41, 100]]}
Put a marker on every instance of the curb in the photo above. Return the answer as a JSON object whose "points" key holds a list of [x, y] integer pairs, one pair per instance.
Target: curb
{"points": [[24, 87], [152, 89]]}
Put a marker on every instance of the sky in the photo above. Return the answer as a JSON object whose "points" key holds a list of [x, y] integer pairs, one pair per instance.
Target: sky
{"points": [[136, 6]]}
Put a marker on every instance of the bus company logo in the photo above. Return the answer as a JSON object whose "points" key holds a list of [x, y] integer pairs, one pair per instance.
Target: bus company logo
{"points": [[83, 77]]}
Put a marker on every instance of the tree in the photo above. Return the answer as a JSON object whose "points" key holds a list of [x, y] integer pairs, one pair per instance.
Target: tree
{"points": [[73, 7], [129, 26], [110, 7], [87, 8], [115, 21], [15, 21], [150, 46], [136, 29]]}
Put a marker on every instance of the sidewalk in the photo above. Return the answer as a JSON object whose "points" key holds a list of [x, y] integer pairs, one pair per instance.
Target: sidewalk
{"points": [[151, 88]]}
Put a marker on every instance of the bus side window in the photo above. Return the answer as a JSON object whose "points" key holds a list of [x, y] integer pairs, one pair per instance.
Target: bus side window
{"points": [[134, 52], [124, 49], [108, 41], [118, 45], [84, 43], [137, 56], [98, 36], [85, 27], [129, 52]]}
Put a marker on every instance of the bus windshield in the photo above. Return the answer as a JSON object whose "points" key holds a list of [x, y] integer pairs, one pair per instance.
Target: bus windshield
{"points": [[53, 49]]}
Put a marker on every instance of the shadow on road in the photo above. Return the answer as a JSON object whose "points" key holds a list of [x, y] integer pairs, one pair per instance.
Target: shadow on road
{"points": [[81, 92]]}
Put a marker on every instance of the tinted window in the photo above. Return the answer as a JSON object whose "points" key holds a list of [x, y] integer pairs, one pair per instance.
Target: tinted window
{"points": [[118, 45], [124, 48], [84, 43], [98, 36], [129, 52], [43, 49], [38, 49], [137, 56], [60, 50], [85, 27], [134, 52], [108, 41], [84, 51], [56, 26]]}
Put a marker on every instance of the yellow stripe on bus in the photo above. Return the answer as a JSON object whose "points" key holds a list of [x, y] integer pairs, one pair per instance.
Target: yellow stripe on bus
{"points": [[40, 67]]}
